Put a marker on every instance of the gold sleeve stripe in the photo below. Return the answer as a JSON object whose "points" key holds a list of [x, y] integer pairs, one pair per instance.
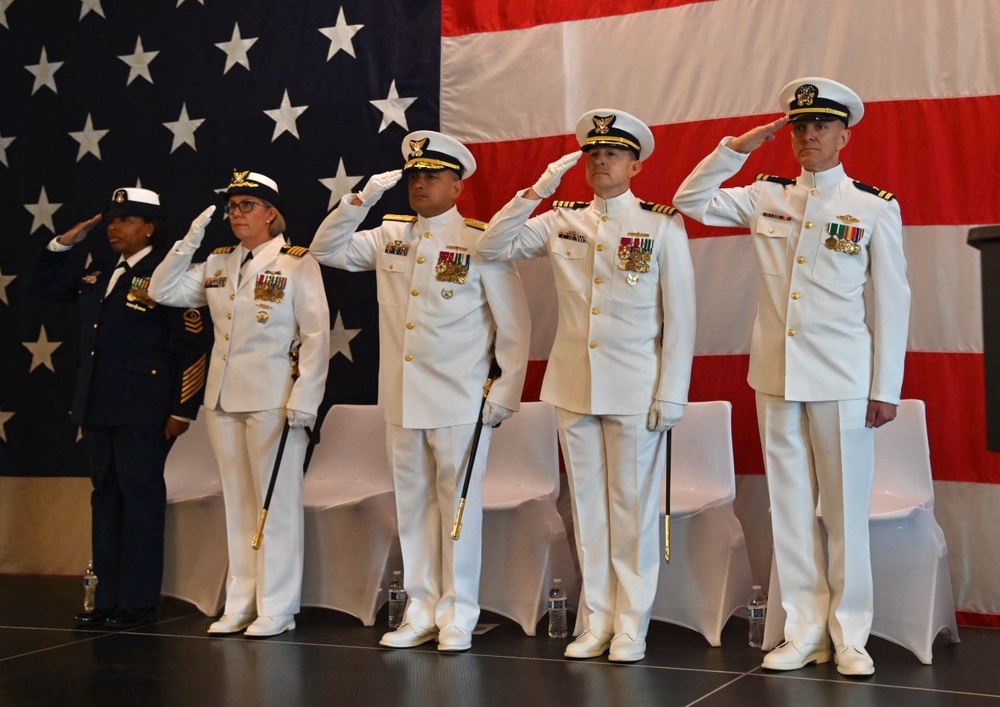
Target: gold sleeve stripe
{"points": [[193, 379]]}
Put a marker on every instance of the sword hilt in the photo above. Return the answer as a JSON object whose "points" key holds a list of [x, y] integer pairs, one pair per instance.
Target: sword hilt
{"points": [[259, 535], [456, 530]]}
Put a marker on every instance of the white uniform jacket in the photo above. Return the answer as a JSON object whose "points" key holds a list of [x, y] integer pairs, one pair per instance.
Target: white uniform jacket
{"points": [[624, 336], [810, 338], [439, 305], [278, 306]]}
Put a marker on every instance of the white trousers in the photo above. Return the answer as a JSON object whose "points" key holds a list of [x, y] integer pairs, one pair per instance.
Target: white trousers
{"points": [[440, 575], [820, 451], [268, 581], [615, 469]]}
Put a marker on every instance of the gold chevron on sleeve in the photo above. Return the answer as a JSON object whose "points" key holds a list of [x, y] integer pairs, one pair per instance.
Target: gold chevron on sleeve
{"points": [[193, 323], [193, 378]]}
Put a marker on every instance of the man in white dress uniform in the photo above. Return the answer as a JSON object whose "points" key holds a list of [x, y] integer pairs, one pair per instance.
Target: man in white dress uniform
{"points": [[619, 368], [824, 377], [441, 307]]}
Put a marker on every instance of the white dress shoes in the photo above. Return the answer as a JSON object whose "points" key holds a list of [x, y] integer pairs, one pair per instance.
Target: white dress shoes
{"points": [[588, 645], [270, 625], [854, 660], [408, 636], [231, 623], [792, 655], [452, 639], [626, 649]]}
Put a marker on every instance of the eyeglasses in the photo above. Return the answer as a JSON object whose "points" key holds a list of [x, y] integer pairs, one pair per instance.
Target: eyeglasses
{"points": [[244, 207]]}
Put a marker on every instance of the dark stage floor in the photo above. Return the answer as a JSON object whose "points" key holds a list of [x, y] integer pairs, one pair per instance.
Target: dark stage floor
{"points": [[331, 659]]}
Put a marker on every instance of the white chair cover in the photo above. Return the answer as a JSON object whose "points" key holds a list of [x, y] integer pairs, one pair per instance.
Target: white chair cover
{"points": [[351, 538], [708, 578], [195, 557], [525, 545], [910, 576]]}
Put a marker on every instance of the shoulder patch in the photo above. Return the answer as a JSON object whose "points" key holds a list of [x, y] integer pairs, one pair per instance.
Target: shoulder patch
{"points": [[880, 193], [476, 224], [224, 249], [560, 204], [296, 251], [399, 217], [658, 208], [783, 181], [192, 321]]}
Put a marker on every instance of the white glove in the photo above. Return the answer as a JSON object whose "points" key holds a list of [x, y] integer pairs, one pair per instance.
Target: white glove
{"points": [[663, 415], [378, 184], [494, 414], [549, 181], [192, 240], [297, 418]]}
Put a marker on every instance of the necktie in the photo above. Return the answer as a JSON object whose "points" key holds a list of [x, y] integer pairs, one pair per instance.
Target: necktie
{"points": [[243, 265], [121, 268]]}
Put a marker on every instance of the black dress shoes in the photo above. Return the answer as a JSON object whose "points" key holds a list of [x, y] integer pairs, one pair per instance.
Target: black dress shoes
{"points": [[91, 619], [123, 619]]}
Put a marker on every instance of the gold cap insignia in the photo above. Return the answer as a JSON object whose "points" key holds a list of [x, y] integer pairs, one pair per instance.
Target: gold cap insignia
{"points": [[603, 123], [806, 94], [120, 196], [417, 147], [240, 176]]}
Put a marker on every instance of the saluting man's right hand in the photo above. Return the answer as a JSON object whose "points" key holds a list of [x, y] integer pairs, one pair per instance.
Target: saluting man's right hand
{"points": [[378, 184], [198, 226], [755, 137], [549, 181]]}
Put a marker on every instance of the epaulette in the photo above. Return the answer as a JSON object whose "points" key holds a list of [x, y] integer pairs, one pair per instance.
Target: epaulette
{"points": [[559, 204], [296, 251], [880, 193], [783, 181], [224, 249], [658, 208], [476, 224], [399, 217]]}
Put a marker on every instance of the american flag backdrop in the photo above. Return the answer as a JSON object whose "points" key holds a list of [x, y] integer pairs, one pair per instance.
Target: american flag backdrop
{"points": [[318, 94]]}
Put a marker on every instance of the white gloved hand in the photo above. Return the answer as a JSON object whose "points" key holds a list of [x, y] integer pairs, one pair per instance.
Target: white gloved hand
{"points": [[663, 415], [297, 418], [494, 414], [378, 184], [549, 181], [192, 240]]}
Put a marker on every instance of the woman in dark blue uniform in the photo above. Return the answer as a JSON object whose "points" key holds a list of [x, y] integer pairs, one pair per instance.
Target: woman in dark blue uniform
{"points": [[139, 382]]}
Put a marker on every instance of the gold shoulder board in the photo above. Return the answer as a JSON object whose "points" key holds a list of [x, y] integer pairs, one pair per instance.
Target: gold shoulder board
{"points": [[880, 193], [658, 208], [784, 181], [476, 224], [224, 249], [296, 251], [560, 204], [399, 217]]}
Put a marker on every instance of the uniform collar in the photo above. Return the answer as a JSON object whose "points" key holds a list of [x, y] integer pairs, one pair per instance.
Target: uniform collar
{"points": [[617, 203], [822, 180], [437, 222], [135, 257]]}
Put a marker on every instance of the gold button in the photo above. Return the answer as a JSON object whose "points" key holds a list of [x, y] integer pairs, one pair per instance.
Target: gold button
{"points": [[414, 292], [91, 353], [791, 332], [569, 252], [420, 260], [795, 295], [408, 357], [227, 337], [598, 281], [770, 230], [600, 247], [800, 260], [233, 296], [814, 191], [595, 310], [392, 266], [95, 326], [224, 357], [409, 325], [427, 234], [229, 315], [593, 344], [809, 224], [153, 372]]}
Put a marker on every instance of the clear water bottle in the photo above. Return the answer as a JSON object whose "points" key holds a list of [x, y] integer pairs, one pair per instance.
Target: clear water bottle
{"points": [[756, 614], [397, 600], [90, 588], [557, 610]]}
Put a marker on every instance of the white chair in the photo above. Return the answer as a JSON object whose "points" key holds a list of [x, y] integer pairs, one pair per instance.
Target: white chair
{"points": [[351, 538], [195, 556], [910, 576], [708, 578], [525, 545]]}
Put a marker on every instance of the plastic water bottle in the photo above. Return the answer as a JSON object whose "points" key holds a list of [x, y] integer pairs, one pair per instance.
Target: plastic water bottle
{"points": [[557, 610], [756, 614], [89, 588], [397, 600]]}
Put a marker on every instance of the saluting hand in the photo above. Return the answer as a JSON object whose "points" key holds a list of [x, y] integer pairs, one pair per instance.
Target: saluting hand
{"points": [[549, 181], [79, 231], [197, 231], [378, 184], [754, 138]]}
